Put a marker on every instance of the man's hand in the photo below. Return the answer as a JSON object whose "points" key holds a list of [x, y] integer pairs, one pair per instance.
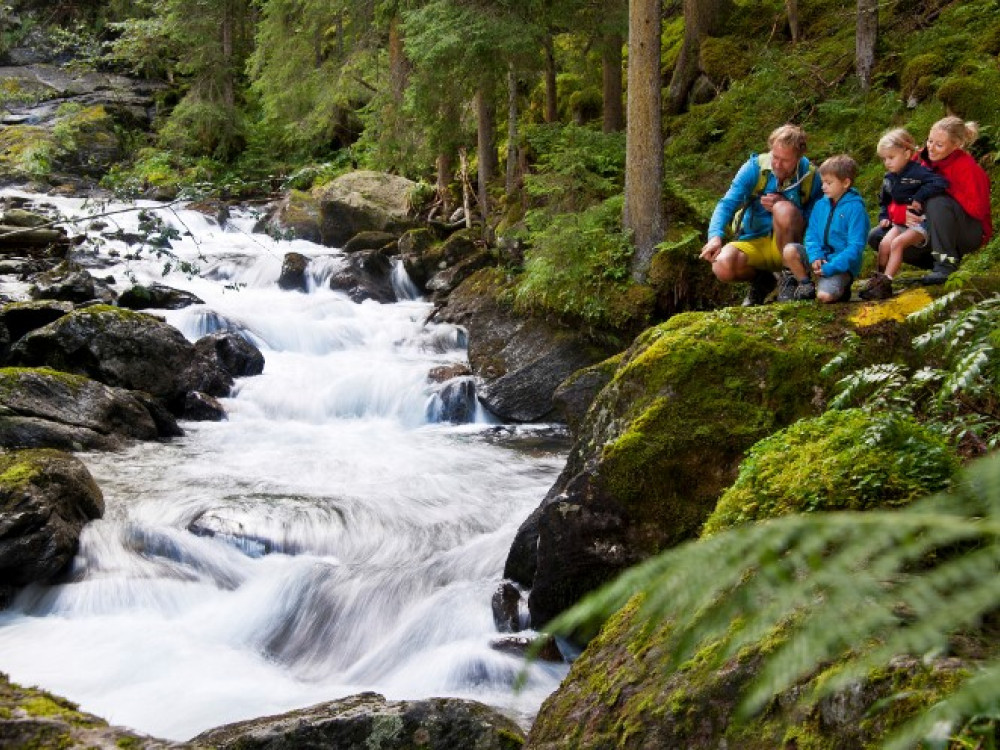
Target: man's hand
{"points": [[711, 249], [768, 200]]}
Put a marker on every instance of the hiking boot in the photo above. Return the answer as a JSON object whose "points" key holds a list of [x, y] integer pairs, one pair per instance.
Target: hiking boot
{"points": [[762, 285], [942, 270], [805, 290], [787, 285], [879, 286]]}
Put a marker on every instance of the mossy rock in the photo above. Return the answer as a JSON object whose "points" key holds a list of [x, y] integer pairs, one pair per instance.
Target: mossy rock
{"points": [[665, 437], [622, 692], [919, 73], [842, 460], [723, 59], [972, 97]]}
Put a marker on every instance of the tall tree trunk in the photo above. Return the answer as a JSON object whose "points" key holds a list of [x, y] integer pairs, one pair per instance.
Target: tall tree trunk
{"points": [[512, 136], [444, 170], [551, 101], [643, 213], [399, 69], [865, 41], [486, 151], [701, 17], [792, 9], [611, 65]]}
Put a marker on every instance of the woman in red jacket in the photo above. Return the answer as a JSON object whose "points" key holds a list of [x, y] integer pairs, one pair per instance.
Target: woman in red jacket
{"points": [[958, 221]]}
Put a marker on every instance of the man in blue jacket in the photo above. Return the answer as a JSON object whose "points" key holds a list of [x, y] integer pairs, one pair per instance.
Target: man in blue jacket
{"points": [[766, 207]]}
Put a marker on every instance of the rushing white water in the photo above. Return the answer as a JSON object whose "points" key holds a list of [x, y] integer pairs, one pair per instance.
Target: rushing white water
{"points": [[329, 537]]}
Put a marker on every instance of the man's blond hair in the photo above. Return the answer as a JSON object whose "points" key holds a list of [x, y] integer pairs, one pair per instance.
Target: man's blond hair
{"points": [[788, 135]]}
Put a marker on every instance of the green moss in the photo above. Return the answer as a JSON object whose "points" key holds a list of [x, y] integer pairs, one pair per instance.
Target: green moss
{"points": [[919, 73], [972, 97], [723, 59], [12, 378], [842, 460]]}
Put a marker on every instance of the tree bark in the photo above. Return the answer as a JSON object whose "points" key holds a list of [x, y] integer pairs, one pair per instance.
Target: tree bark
{"points": [[643, 214], [611, 64], [486, 151], [444, 169], [399, 71], [865, 40], [701, 17], [512, 136], [792, 8], [551, 100]]}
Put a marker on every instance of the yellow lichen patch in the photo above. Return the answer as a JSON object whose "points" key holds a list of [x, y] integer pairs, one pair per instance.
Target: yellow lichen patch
{"points": [[896, 308]]}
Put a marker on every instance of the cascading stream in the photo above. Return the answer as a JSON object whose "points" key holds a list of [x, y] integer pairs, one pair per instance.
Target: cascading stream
{"points": [[330, 537]]}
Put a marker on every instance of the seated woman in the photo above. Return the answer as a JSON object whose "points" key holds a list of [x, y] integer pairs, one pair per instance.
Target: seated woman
{"points": [[957, 222]]}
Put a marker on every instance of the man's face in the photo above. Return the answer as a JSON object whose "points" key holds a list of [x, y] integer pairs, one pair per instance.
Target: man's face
{"points": [[784, 160]]}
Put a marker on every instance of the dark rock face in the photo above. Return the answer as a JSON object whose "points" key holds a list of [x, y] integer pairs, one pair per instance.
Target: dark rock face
{"points": [[423, 259], [200, 407], [456, 401], [71, 283], [293, 272], [444, 282], [520, 361], [366, 275], [18, 318], [46, 497], [232, 352], [125, 349], [45, 408], [368, 720], [157, 296], [370, 241]]}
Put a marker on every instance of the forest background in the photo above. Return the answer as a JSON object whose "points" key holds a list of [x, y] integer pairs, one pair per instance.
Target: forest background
{"points": [[262, 94]]}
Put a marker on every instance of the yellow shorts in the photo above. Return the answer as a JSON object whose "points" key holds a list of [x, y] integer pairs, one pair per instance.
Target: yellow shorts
{"points": [[762, 253]]}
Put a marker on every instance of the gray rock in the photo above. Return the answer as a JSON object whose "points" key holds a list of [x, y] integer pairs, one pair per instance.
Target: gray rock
{"points": [[366, 275], [200, 407], [232, 352], [157, 296], [370, 240], [293, 272], [71, 283], [46, 497], [363, 201], [368, 720]]}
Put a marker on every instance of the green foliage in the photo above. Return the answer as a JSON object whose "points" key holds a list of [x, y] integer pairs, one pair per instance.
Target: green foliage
{"points": [[909, 579], [955, 391], [577, 269], [842, 460]]}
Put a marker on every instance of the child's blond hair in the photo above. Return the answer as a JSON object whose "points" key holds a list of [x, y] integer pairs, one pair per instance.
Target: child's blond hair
{"points": [[896, 138], [841, 166]]}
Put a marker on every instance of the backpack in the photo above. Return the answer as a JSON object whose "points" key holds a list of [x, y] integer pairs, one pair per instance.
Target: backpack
{"points": [[804, 184]]}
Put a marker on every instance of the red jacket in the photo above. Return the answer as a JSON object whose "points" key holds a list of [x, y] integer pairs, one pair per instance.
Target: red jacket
{"points": [[968, 184]]}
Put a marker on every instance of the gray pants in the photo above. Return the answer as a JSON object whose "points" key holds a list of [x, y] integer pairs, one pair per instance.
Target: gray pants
{"points": [[951, 231], [837, 286]]}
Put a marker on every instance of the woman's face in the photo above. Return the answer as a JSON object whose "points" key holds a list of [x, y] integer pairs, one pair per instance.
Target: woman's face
{"points": [[939, 144]]}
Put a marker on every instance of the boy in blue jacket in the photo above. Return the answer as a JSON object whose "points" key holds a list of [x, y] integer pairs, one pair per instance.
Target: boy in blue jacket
{"points": [[834, 242]]}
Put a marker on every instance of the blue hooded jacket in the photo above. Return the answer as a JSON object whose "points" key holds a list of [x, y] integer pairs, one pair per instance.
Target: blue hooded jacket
{"points": [[757, 220], [837, 234]]}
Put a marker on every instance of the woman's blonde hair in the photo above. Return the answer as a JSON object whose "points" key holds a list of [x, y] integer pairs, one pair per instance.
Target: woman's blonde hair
{"points": [[960, 131], [896, 138]]}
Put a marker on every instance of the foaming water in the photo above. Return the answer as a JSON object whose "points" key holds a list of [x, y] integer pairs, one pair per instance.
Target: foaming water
{"points": [[330, 537]]}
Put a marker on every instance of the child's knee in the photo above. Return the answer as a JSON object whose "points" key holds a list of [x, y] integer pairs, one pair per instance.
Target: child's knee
{"points": [[826, 297]]}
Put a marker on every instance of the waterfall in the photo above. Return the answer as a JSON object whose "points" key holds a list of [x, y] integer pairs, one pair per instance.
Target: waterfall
{"points": [[343, 530]]}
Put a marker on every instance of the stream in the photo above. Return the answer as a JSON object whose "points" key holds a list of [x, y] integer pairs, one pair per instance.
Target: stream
{"points": [[332, 536]]}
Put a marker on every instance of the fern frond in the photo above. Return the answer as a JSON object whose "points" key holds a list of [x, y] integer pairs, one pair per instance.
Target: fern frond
{"points": [[936, 307], [966, 370]]}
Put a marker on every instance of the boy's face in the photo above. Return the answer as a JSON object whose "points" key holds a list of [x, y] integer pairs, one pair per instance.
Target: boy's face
{"points": [[895, 159], [834, 187]]}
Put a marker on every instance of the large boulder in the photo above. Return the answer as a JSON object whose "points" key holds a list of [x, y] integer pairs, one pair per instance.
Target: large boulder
{"points": [[125, 349], [520, 361], [46, 498], [333, 213], [157, 296], [17, 318], [232, 352], [71, 283], [366, 275], [40, 408], [624, 692], [368, 720], [33, 718], [666, 435]]}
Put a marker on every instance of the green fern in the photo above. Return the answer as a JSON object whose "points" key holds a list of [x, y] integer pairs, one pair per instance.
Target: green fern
{"points": [[909, 579]]}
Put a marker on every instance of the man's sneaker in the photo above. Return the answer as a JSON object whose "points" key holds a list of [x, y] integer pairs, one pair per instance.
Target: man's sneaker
{"points": [[942, 270], [787, 285], [879, 286], [762, 285], [805, 290]]}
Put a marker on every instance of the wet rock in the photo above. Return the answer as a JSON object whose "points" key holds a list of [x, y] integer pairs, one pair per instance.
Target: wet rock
{"points": [[40, 407], [157, 296], [18, 318], [456, 401], [126, 349], [517, 645], [200, 407], [444, 373], [20, 217], [444, 282], [367, 275], [46, 497], [370, 240], [293, 272], [368, 720], [506, 605], [232, 352], [71, 283]]}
